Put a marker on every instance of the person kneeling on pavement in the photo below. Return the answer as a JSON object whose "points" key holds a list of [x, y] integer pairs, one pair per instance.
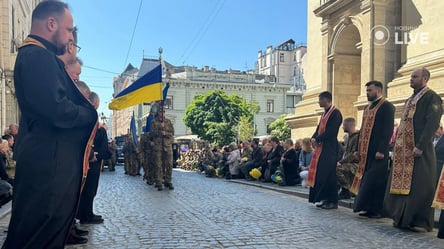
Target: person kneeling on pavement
{"points": [[233, 161], [305, 160], [256, 159]]}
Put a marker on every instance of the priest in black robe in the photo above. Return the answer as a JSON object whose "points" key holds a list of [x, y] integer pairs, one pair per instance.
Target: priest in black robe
{"points": [[55, 124], [372, 174], [322, 177]]}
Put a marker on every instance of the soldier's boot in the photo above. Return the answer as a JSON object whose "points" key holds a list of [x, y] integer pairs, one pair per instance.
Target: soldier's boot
{"points": [[159, 186], [149, 181], [169, 185]]}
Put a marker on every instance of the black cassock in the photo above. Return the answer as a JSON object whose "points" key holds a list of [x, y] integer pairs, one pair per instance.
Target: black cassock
{"points": [[326, 185], [374, 181], [55, 124], [85, 210]]}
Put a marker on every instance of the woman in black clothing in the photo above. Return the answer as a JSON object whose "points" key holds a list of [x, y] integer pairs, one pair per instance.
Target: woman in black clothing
{"points": [[290, 165]]}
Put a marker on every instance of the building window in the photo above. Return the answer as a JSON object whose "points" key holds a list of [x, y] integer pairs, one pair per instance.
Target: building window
{"points": [[265, 62], [294, 56], [270, 105], [268, 129], [281, 57], [13, 45], [169, 102], [291, 101]]}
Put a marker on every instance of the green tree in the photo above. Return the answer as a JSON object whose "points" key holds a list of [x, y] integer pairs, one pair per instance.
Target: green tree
{"points": [[280, 128], [246, 128], [214, 116]]}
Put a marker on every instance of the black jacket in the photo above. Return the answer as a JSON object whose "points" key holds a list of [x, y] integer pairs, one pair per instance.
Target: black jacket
{"points": [[275, 156], [439, 150], [101, 145], [3, 174]]}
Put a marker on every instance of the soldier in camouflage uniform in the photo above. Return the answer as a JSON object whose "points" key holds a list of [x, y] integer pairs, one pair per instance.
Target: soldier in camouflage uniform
{"points": [[147, 158], [126, 154], [162, 134], [346, 167], [131, 154], [113, 160], [206, 159], [134, 159]]}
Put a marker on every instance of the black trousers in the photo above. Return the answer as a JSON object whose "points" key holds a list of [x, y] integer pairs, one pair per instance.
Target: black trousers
{"points": [[441, 225], [89, 191]]}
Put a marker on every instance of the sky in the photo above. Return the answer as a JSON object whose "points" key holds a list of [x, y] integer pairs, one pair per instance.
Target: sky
{"points": [[225, 34]]}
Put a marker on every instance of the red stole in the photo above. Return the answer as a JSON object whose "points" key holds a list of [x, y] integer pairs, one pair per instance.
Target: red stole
{"points": [[317, 152], [368, 120]]}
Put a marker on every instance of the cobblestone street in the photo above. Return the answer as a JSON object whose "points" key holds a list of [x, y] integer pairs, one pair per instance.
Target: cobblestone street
{"points": [[213, 213]]}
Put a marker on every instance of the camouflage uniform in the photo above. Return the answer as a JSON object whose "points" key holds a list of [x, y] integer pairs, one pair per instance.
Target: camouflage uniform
{"points": [[207, 161], [134, 166], [247, 153], [348, 164], [10, 166], [162, 134], [246, 156], [147, 158], [126, 154], [113, 160], [131, 157]]}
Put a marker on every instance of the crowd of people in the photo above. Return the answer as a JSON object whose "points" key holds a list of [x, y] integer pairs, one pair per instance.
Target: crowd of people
{"points": [[390, 170], [7, 164], [52, 166], [265, 160]]}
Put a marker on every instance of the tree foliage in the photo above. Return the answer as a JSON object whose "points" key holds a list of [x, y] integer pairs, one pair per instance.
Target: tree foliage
{"points": [[215, 116], [246, 128], [280, 128]]}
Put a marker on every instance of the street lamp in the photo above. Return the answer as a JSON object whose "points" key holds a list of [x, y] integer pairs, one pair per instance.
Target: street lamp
{"points": [[103, 118]]}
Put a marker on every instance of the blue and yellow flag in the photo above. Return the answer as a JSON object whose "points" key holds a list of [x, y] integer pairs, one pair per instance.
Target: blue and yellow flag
{"points": [[146, 89]]}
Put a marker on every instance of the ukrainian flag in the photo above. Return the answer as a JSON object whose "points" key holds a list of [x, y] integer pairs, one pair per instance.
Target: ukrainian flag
{"points": [[146, 89]]}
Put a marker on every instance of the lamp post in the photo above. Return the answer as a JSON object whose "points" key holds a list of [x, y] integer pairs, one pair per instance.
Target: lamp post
{"points": [[103, 118], [104, 123]]}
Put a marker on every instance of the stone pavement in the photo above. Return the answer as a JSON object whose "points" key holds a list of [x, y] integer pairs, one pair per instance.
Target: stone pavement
{"points": [[213, 213], [303, 192]]}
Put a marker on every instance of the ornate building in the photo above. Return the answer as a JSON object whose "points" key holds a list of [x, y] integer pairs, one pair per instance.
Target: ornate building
{"points": [[186, 82], [15, 24], [351, 42], [284, 66]]}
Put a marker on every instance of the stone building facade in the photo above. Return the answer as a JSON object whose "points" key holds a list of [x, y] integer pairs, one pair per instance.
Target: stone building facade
{"points": [[352, 42], [284, 65], [15, 25], [187, 82]]}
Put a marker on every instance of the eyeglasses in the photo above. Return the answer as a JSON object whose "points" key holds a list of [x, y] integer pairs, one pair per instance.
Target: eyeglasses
{"points": [[77, 46]]}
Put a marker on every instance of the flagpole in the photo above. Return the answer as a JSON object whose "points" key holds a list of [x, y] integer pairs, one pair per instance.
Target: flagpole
{"points": [[161, 69]]}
